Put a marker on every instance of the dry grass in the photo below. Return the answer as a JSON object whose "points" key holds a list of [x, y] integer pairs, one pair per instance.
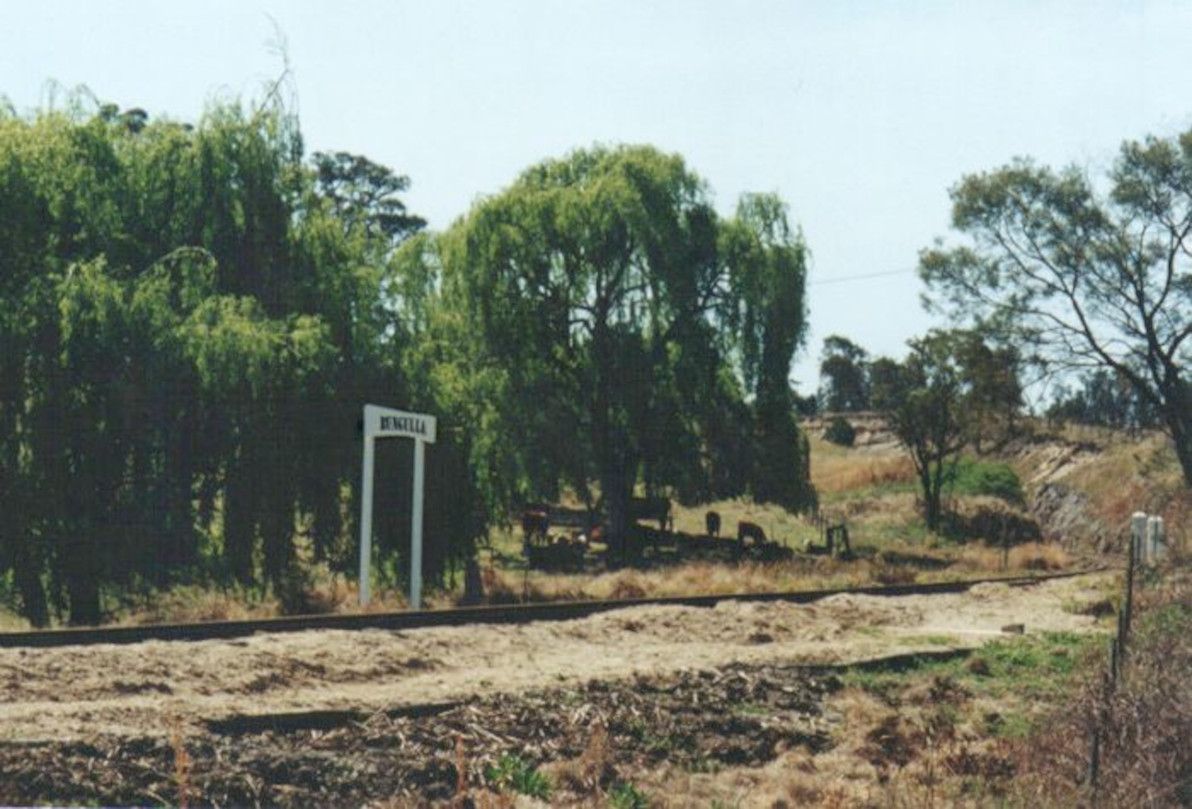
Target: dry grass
{"points": [[841, 469], [1042, 556], [322, 594], [192, 603], [893, 566], [846, 474], [1146, 721], [1127, 473]]}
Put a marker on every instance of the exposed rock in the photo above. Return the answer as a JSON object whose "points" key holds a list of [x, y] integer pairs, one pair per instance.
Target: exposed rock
{"points": [[1066, 515]]}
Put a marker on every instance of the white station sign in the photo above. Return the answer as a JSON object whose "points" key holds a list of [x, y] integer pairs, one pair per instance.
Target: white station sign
{"points": [[385, 422]]}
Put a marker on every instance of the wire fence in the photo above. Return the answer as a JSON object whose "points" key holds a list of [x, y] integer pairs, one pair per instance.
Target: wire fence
{"points": [[1147, 545]]}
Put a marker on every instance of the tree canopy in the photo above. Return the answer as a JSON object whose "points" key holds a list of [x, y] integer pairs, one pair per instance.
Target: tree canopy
{"points": [[844, 387], [1080, 279], [191, 317], [925, 400], [621, 330]]}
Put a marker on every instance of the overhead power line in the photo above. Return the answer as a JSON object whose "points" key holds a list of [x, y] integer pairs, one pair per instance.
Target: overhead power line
{"points": [[844, 278]]}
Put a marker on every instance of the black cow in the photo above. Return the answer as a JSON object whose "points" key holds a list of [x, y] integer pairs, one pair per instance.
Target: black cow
{"points": [[751, 531], [535, 524], [712, 523], [652, 508]]}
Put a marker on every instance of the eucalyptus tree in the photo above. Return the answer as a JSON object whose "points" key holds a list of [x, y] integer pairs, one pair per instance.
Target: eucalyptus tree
{"points": [[1081, 280], [844, 386]]}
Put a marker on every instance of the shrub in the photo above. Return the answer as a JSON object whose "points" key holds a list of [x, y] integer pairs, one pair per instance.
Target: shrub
{"points": [[974, 477], [841, 432]]}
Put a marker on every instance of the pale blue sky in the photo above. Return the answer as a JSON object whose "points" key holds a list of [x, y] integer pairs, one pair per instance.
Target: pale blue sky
{"points": [[860, 115]]}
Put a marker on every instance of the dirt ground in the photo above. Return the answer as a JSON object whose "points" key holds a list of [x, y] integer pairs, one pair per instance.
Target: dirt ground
{"points": [[139, 690]]}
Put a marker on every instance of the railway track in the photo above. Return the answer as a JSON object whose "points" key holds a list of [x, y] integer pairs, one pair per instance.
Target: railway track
{"points": [[459, 616]]}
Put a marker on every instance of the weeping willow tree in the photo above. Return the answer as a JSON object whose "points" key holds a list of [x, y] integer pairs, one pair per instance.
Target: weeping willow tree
{"points": [[190, 319], [615, 333]]}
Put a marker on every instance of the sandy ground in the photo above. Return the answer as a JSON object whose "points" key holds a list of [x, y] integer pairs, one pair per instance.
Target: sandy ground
{"points": [[140, 690]]}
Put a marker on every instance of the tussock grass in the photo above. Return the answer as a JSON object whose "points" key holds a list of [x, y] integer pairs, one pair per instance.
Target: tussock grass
{"points": [[837, 469]]}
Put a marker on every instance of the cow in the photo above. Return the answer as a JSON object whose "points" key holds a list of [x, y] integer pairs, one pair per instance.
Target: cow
{"points": [[535, 522], [751, 531], [652, 508], [712, 523]]}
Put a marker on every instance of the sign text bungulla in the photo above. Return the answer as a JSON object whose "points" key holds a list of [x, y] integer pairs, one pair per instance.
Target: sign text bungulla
{"points": [[403, 424]]}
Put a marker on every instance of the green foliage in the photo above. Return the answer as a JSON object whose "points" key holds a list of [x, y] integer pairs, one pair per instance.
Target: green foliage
{"points": [[923, 401], [844, 387], [512, 774], [625, 795], [952, 390], [1104, 398], [1077, 279], [841, 432], [598, 322], [191, 318], [970, 476]]}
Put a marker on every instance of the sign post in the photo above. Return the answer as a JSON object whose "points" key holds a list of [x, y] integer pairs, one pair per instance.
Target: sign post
{"points": [[385, 422]]}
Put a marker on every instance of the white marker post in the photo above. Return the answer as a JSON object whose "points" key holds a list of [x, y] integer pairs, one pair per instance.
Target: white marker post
{"points": [[385, 422]]}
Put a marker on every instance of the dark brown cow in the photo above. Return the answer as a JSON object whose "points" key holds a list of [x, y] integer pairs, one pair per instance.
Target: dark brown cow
{"points": [[535, 523], [751, 531], [652, 508], [712, 523]]}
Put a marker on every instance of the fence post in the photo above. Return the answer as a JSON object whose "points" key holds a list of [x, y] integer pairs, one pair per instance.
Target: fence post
{"points": [[1138, 531], [1128, 600], [1113, 652], [1155, 538]]}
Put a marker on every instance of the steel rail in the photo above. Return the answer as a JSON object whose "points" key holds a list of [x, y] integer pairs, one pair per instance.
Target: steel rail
{"points": [[459, 616]]}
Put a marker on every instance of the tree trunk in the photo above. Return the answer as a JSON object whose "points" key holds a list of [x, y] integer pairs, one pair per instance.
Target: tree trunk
{"points": [[931, 496], [616, 504], [27, 571], [82, 583], [1181, 436], [616, 480], [239, 526], [1177, 412]]}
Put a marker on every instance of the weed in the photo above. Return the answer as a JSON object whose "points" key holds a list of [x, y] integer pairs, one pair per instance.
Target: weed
{"points": [[625, 795], [181, 764], [512, 774]]}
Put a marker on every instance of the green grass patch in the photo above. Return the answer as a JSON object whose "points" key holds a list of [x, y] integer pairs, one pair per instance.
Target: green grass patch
{"points": [[751, 709], [931, 640], [625, 795], [1034, 667], [872, 491]]}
